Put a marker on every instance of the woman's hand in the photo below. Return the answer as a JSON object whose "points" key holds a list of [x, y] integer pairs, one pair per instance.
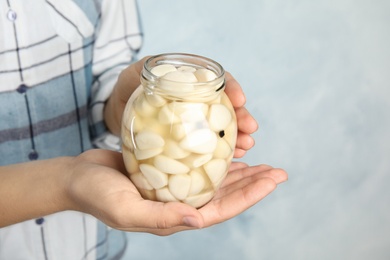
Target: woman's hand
{"points": [[98, 187], [246, 123]]}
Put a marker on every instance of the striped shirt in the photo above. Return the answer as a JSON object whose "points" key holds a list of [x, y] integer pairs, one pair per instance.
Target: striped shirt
{"points": [[59, 60]]}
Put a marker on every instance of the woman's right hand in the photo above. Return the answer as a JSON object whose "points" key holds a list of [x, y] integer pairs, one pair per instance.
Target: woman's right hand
{"points": [[97, 186]]}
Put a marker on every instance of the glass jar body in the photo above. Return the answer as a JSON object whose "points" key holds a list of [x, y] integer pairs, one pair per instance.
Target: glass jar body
{"points": [[178, 134]]}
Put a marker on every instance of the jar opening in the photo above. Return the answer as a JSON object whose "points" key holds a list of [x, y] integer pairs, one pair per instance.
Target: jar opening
{"points": [[176, 88]]}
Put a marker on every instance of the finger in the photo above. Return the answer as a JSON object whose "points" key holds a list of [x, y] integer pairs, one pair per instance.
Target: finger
{"points": [[244, 141], [237, 165], [239, 185], [234, 91], [234, 203], [239, 153], [266, 171], [241, 178], [246, 123], [244, 172], [278, 175]]}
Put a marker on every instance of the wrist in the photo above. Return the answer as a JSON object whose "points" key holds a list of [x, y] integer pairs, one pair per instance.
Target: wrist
{"points": [[63, 177], [33, 189]]}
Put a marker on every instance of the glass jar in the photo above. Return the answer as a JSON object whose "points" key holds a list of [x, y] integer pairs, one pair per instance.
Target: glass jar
{"points": [[179, 129]]}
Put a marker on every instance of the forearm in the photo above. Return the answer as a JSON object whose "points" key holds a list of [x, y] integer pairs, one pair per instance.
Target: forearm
{"points": [[33, 189]]}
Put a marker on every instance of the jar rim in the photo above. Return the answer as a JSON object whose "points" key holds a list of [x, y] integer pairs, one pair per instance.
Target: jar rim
{"points": [[178, 58], [188, 90]]}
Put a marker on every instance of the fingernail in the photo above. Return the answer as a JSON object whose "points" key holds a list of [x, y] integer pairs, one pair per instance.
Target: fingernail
{"points": [[191, 222]]}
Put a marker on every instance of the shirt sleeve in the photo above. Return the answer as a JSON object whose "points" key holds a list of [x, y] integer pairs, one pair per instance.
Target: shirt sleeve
{"points": [[118, 40]]}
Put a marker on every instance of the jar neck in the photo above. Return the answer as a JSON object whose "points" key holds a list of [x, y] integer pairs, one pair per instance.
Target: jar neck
{"points": [[183, 91]]}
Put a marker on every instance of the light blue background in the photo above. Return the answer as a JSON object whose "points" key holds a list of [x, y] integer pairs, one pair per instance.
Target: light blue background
{"points": [[316, 75]]}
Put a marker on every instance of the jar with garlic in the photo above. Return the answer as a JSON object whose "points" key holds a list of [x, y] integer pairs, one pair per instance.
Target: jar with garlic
{"points": [[179, 130]]}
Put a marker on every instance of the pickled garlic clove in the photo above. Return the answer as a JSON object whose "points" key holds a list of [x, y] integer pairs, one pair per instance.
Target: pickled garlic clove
{"points": [[180, 76], [155, 100], [216, 169], [217, 184], [189, 112], [165, 195], [205, 75], [163, 69], [195, 161], [152, 124], [169, 165], [146, 140], [140, 181], [231, 134], [200, 199], [174, 151], [143, 107], [197, 182], [223, 150], [179, 185], [146, 154], [178, 82], [148, 194], [216, 100], [180, 107], [166, 116], [136, 124], [186, 68], [200, 141], [129, 159], [127, 140], [219, 117], [178, 131], [155, 177]]}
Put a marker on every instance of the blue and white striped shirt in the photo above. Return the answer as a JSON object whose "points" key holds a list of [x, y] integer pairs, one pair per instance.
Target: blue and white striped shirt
{"points": [[59, 60]]}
